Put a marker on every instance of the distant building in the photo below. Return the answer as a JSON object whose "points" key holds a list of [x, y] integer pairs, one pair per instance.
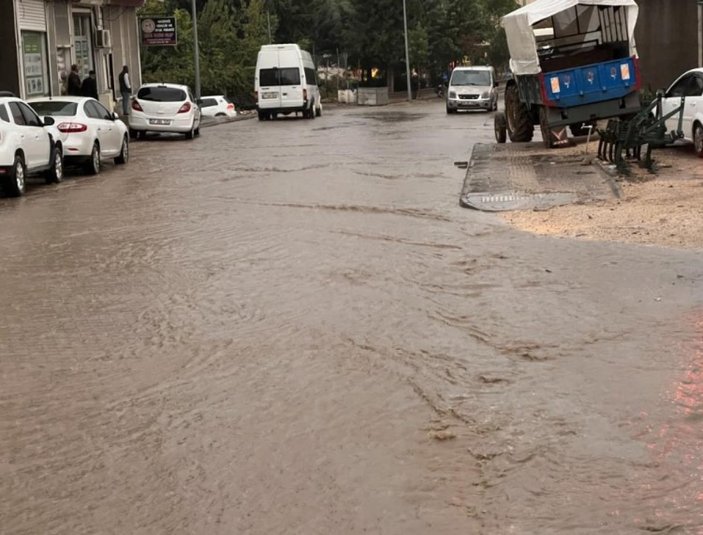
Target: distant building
{"points": [[41, 39]]}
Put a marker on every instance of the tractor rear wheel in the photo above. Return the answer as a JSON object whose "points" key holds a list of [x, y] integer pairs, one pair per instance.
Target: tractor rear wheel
{"points": [[520, 127]]}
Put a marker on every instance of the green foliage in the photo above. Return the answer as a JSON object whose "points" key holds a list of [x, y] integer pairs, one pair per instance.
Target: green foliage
{"points": [[440, 32], [229, 37]]}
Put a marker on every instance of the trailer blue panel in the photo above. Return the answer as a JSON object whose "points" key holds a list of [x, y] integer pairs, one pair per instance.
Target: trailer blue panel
{"points": [[612, 80]]}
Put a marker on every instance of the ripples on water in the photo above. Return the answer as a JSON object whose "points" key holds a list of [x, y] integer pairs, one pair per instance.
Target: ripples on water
{"points": [[215, 342]]}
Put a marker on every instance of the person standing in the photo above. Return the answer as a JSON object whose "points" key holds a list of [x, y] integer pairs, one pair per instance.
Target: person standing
{"points": [[90, 86], [125, 89], [74, 86]]}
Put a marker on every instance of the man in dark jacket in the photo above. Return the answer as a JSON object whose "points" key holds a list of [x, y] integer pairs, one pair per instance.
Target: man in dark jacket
{"points": [[90, 86], [74, 86], [125, 89]]}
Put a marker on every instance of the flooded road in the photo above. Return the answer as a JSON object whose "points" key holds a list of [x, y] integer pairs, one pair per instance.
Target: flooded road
{"points": [[292, 327]]}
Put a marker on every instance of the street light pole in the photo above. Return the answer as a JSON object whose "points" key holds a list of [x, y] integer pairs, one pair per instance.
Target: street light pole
{"points": [[700, 33], [196, 47], [407, 53]]}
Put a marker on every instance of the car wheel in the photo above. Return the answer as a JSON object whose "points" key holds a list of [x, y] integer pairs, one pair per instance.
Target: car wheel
{"points": [[698, 140], [92, 166], [55, 174], [191, 134], [318, 111], [133, 134], [123, 158], [311, 112], [220, 114], [15, 184], [197, 132]]}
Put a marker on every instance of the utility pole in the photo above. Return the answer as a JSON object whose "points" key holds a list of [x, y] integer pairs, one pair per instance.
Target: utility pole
{"points": [[407, 53], [700, 33], [197, 50], [268, 18]]}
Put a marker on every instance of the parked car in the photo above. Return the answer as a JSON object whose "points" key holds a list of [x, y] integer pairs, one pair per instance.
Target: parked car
{"points": [[87, 130], [28, 146], [689, 85], [217, 106], [472, 88], [164, 108]]}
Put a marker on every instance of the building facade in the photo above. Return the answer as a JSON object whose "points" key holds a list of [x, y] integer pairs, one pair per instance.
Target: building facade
{"points": [[41, 39]]}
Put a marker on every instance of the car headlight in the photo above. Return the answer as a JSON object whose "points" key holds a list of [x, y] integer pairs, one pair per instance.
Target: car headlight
{"points": [[485, 94], [452, 94]]}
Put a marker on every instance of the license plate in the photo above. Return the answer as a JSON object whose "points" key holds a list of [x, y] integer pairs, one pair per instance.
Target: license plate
{"points": [[269, 95], [162, 122]]}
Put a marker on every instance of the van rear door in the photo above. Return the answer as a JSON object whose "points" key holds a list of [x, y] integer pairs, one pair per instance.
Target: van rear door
{"points": [[291, 88], [269, 88]]}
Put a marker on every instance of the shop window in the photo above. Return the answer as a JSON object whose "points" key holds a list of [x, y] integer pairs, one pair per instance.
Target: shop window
{"points": [[34, 61]]}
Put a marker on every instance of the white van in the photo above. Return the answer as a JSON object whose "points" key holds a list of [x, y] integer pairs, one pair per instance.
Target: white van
{"points": [[472, 88], [285, 82]]}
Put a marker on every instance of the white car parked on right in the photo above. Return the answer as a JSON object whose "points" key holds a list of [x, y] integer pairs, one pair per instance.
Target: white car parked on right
{"points": [[689, 85]]}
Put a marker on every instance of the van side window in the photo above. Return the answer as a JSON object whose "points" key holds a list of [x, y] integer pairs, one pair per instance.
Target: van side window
{"points": [[310, 76]]}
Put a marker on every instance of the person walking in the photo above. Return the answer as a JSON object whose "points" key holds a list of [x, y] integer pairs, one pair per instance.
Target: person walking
{"points": [[125, 89], [74, 86], [90, 86]]}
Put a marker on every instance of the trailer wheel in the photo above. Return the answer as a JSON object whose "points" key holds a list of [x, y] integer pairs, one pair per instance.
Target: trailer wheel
{"points": [[519, 122], [500, 125], [547, 136]]}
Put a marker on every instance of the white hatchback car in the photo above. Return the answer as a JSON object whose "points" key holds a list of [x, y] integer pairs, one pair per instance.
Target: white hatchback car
{"points": [[164, 108], [217, 106], [689, 85], [88, 132], [28, 146]]}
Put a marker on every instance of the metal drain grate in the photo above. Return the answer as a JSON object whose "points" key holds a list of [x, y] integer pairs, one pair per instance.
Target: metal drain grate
{"points": [[512, 200]]}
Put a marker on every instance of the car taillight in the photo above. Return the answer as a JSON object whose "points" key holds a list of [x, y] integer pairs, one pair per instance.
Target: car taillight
{"points": [[136, 106], [185, 108], [70, 128], [230, 106], [305, 94]]}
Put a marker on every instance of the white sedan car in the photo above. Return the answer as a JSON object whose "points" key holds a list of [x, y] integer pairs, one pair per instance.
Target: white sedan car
{"points": [[164, 108], [689, 85], [88, 132], [28, 146], [217, 106]]}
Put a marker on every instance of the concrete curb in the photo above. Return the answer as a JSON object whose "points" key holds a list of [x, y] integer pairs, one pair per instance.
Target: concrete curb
{"points": [[208, 122]]}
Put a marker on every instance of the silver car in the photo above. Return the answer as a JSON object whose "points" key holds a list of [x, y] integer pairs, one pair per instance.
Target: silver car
{"points": [[472, 88]]}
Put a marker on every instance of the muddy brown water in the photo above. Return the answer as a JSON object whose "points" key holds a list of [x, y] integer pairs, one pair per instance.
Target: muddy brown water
{"points": [[292, 327]]}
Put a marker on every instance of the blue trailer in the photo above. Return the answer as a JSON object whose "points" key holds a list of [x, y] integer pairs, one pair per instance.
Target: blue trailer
{"points": [[573, 62]]}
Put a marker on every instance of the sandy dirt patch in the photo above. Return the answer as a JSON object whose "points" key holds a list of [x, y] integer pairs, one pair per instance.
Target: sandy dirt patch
{"points": [[664, 209]]}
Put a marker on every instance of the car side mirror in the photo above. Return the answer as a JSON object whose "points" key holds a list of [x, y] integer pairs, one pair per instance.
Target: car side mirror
{"points": [[49, 121], [115, 116]]}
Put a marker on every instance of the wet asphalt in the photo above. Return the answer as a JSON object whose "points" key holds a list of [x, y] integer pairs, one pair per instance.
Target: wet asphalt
{"points": [[293, 327]]}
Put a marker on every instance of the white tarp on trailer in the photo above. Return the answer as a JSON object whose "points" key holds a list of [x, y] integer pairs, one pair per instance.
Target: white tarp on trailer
{"points": [[521, 37]]}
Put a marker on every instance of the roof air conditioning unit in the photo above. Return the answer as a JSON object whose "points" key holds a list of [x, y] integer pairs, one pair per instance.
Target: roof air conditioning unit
{"points": [[103, 39]]}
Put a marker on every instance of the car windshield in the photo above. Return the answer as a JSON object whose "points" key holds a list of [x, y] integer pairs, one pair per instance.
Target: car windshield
{"points": [[482, 78], [161, 94], [55, 108], [285, 76]]}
